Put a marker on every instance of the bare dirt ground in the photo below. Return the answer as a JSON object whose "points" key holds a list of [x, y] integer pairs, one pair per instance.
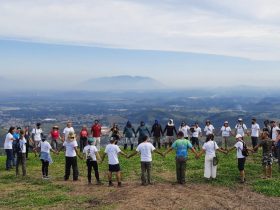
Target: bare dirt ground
{"points": [[170, 196]]}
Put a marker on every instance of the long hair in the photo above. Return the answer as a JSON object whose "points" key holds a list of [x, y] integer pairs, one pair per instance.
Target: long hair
{"points": [[11, 129]]}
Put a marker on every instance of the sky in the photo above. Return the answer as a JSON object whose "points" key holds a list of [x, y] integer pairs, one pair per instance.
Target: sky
{"points": [[182, 43]]}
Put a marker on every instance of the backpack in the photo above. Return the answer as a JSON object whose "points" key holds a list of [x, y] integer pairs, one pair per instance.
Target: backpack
{"points": [[18, 149], [245, 151]]}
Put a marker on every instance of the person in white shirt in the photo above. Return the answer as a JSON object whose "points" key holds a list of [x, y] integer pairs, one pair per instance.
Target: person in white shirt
{"points": [[146, 149], [255, 132], [112, 151], [274, 128], [241, 128], [69, 129], [8, 146], [71, 152], [209, 148], [196, 132], [185, 129], [209, 128], [21, 153], [91, 154], [45, 156], [37, 135], [226, 133], [240, 156]]}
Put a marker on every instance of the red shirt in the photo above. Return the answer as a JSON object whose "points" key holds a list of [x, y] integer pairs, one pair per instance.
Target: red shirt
{"points": [[55, 134], [84, 133], [96, 130]]}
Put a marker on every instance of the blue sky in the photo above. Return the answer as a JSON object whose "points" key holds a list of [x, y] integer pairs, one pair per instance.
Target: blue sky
{"points": [[180, 43]]}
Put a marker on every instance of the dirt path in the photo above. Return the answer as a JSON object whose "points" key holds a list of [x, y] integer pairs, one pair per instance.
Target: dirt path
{"points": [[168, 196]]}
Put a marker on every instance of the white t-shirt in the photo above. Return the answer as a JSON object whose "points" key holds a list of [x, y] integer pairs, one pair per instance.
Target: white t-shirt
{"points": [[196, 132], [210, 148], [225, 131], [22, 144], [70, 148], [45, 146], [255, 130], [37, 134], [8, 144], [90, 151], [209, 129], [185, 130], [66, 132], [241, 129], [274, 133], [112, 151], [145, 149], [239, 148]]}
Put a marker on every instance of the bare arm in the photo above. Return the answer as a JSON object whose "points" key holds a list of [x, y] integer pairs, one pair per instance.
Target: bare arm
{"points": [[133, 154]]}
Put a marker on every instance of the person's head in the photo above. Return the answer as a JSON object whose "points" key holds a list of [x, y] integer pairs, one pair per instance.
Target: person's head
{"points": [[183, 123], [170, 121], [180, 135], [18, 129], [196, 124], [113, 140], [210, 137], [238, 137], [266, 123], [38, 125], [71, 136], [128, 124], [44, 138], [142, 123], [69, 124], [90, 141], [55, 128], [156, 122], [145, 138], [84, 127], [264, 135], [96, 122], [226, 123], [254, 120], [240, 121], [21, 133], [12, 130], [278, 131], [272, 123], [208, 122]]}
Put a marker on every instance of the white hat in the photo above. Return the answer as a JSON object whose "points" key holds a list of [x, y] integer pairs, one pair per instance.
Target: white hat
{"points": [[238, 136], [226, 122], [240, 119]]}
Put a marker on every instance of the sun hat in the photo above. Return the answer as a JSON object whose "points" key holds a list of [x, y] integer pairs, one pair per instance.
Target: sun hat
{"points": [[238, 136], [226, 122], [240, 119]]}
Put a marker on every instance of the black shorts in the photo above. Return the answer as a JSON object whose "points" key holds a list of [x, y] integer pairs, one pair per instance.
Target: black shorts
{"points": [[241, 163], [114, 168], [195, 141]]}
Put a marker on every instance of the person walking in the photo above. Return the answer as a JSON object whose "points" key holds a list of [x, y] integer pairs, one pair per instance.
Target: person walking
{"points": [[226, 133], [129, 134], [21, 153], [210, 165], [157, 133], [181, 145], [8, 147], [255, 132], [170, 130], [146, 149], [143, 131], [96, 134], [83, 138], [92, 156]]}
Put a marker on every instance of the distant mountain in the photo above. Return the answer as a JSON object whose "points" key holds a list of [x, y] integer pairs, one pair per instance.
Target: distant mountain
{"points": [[122, 83]]}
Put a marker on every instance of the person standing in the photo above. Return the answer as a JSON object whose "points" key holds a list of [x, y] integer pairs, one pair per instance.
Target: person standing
{"points": [[55, 136], [196, 132], [96, 134], [277, 143], [27, 136], [146, 149], [69, 129], [209, 128], [16, 137], [91, 154], [273, 135], [83, 138], [36, 135], [241, 128], [157, 133], [226, 133], [71, 153], [112, 151], [181, 145], [115, 133], [8, 146], [209, 148], [170, 130], [129, 133], [255, 132], [185, 129], [143, 131], [21, 153]]}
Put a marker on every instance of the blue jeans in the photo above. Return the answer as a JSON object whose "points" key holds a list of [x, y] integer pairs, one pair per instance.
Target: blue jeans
{"points": [[10, 158]]}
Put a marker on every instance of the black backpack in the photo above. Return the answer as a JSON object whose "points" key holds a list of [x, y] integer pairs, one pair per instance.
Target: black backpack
{"points": [[245, 151], [18, 149]]}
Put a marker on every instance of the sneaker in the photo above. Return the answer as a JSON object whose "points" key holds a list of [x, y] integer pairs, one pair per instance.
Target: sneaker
{"points": [[46, 177], [119, 184]]}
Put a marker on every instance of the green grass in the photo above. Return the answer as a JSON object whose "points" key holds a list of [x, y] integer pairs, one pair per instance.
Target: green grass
{"points": [[32, 192]]}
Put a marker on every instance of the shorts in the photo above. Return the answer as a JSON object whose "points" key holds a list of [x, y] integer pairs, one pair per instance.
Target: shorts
{"points": [[267, 160], [114, 168], [195, 141], [241, 163]]}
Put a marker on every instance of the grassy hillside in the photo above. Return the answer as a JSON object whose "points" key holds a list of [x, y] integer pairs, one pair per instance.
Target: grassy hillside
{"points": [[32, 192]]}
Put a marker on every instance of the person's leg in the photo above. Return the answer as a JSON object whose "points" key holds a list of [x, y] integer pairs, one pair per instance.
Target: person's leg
{"points": [[18, 162], [23, 164], [27, 149], [110, 178], [98, 142], [118, 176], [143, 170], [159, 144], [207, 168], [269, 171], [155, 142], [183, 172], [96, 172], [67, 168], [170, 141], [278, 151], [47, 168], [226, 142], [125, 143], [178, 171], [214, 170], [89, 168], [241, 166], [149, 171], [197, 143], [43, 168], [75, 169]]}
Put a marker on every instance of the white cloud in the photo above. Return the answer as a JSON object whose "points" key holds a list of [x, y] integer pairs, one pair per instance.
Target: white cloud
{"points": [[243, 28]]}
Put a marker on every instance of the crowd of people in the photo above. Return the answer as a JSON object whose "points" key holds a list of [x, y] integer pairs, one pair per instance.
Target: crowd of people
{"points": [[19, 142]]}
